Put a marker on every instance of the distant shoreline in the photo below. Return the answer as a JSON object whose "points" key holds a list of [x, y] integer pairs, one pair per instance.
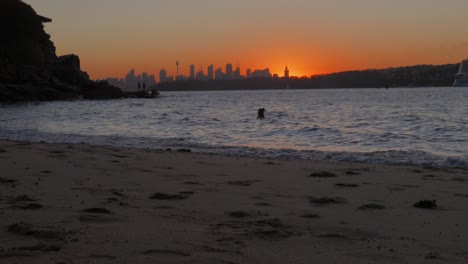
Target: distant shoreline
{"points": [[215, 89], [403, 77]]}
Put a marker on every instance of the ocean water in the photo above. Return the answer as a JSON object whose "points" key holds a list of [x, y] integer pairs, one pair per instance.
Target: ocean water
{"points": [[423, 126]]}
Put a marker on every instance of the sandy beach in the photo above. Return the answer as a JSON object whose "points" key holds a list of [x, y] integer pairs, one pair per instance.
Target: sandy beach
{"points": [[86, 204]]}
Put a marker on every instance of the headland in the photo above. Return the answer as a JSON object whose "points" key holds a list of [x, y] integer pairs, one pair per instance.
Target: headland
{"points": [[30, 69]]}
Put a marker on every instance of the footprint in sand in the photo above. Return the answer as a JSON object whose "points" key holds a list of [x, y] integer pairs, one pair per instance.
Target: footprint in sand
{"points": [[371, 206], [40, 247], [208, 163], [327, 200], [25, 202], [171, 197], [103, 257], [119, 156], [395, 189], [97, 215], [263, 204], [243, 183], [238, 214], [263, 229], [96, 211], [310, 216], [166, 253], [29, 206], [429, 177], [6, 181], [426, 204], [323, 174], [332, 235], [25, 229], [351, 172], [24, 198], [57, 152], [349, 185], [28, 251], [459, 179], [192, 183]]}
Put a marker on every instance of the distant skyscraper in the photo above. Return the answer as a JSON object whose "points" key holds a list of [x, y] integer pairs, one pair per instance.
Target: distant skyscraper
{"points": [[177, 72], [210, 72], [286, 72], [229, 71], [130, 82], [236, 74], [200, 75], [151, 80], [163, 75], [262, 73], [144, 78], [192, 72], [249, 73], [219, 75]]}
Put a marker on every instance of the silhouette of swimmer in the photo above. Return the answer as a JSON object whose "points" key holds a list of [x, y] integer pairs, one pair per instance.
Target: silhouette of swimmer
{"points": [[261, 113]]}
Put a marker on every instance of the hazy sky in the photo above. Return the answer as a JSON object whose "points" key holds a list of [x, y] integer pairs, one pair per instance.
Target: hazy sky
{"points": [[310, 36]]}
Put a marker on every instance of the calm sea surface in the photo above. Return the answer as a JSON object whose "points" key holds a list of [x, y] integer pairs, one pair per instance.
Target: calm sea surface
{"points": [[407, 126]]}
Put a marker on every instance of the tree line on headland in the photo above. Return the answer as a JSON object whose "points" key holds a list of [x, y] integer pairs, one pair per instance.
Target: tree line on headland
{"points": [[411, 76]]}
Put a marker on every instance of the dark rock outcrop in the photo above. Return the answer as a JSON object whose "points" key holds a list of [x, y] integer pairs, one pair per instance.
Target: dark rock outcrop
{"points": [[30, 70]]}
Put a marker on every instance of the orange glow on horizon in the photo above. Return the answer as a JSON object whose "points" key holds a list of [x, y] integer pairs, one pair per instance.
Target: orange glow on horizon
{"points": [[311, 37], [101, 61]]}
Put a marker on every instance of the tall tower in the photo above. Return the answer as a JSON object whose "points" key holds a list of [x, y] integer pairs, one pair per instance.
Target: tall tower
{"points": [[177, 65], [192, 72], [229, 71], [210, 72], [162, 76], [286, 73]]}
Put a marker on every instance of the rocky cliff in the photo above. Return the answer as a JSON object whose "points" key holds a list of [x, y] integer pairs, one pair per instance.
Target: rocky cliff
{"points": [[29, 66]]}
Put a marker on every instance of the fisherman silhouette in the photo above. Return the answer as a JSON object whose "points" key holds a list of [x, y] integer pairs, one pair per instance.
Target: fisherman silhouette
{"points": [[139, 86], [261, 113]]}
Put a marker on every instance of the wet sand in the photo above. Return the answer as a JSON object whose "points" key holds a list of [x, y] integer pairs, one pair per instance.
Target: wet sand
{"points": [[64, 203]]}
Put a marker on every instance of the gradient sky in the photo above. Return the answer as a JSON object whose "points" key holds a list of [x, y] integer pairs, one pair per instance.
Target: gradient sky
{"points": [[310, 36]]}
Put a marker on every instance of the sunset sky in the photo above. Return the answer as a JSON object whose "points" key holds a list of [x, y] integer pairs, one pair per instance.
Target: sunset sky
{"points": [[310, 36]]}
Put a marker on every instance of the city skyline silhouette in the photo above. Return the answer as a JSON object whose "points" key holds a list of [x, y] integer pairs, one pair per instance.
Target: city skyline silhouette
{"points": [[131, 80]]}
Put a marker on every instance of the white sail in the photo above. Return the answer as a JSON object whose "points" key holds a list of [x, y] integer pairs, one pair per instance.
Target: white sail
{"points": [[461, 79]]}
